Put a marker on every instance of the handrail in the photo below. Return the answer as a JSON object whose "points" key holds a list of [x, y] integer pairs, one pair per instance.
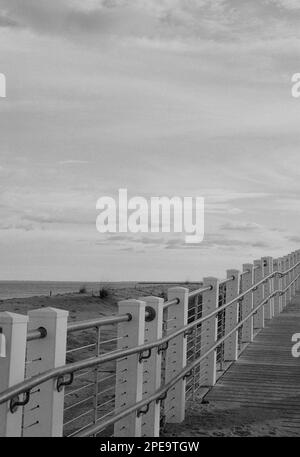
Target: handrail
{"points": [[225, 281], [114, 355], [82, 325], [168, 303], [161, 392], [195, 293], [37, 334]]}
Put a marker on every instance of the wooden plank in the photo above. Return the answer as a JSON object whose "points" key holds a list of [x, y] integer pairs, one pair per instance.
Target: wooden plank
{"points": [[259, 394]]}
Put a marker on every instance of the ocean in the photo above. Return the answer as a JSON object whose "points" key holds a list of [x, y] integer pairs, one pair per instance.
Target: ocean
{"points": [[23, 289]]}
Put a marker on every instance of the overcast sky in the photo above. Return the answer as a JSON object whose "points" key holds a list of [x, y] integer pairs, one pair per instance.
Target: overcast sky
{"points": [[162, 97]]}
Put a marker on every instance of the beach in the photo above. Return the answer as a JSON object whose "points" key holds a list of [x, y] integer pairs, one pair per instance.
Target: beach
{"points": [[202, 419], [82, 344]]}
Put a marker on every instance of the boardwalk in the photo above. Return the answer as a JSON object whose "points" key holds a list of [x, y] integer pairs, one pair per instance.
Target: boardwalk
{"points": [[259, 395]]}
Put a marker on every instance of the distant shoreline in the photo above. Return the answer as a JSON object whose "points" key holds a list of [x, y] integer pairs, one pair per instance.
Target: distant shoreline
{"points": [[92, 289], [10, 290]]}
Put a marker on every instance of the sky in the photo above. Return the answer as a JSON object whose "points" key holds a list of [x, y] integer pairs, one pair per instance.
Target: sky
{"points": [[163, 98]]}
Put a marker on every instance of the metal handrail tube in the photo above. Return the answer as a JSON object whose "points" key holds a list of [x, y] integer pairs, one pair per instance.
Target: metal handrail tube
{"points": [[288, 286], [245, 272], [96, 428], [196, 292], [82, 325], [161, 392], [91, 362], [74, 326], [192, 294], [114, 355], [36, 334], [290, 269], [225, 281], [174, 301]]}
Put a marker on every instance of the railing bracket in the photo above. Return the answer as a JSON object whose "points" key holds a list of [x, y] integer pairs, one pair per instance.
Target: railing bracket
{"points": [[162, 397], [145, 357], [162, 347], [143, 411], [62, 383], [15, 402], [188, 375], [189, 332]]}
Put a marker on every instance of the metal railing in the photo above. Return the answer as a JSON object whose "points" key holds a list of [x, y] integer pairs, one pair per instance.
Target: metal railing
{"points": [[90, 394]]}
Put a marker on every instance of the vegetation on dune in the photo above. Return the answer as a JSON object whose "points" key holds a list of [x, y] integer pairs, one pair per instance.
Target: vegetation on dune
{"points": [[103, 293], [82, 289]]}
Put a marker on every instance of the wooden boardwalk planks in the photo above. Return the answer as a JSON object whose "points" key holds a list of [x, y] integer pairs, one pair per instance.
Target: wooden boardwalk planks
{"points": [[259, 395]]}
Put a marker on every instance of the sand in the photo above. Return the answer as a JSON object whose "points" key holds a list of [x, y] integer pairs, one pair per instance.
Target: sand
{"points": [[213, 419], [80, 397]]}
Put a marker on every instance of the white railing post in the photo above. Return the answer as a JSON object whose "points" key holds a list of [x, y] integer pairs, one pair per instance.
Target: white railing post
{"points": [[298, 270], [209, 331], [12, 368], [276, 263], [129, 370], [288, 279], [259, 316], [280, 282], [247, 303], [294, 274], [232, 316], [175, 359], [152, 365], [290, 262], [283, 279], [267, 265], [43, 416]]}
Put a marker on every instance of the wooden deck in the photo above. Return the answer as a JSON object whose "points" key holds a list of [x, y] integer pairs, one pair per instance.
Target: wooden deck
{"points": [[259, 395]]}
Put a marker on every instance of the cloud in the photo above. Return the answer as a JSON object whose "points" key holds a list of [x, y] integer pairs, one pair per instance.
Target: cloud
{"points": [[171, 97], [75, 19], [286, 4], [73, 162], [294, 238], [241, 226], [7, 22], [217, 241], [17, 226], [158, 21]]}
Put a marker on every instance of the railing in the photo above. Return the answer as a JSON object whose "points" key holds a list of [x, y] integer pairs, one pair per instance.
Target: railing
{"points": [[127, 375]]}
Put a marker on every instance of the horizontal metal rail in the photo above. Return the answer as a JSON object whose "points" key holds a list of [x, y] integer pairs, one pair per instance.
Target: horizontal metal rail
{"points": [[174, 301], [82, 325], [36, 334], [28, 384], [225, 281], [197, 292], [159, 394]]}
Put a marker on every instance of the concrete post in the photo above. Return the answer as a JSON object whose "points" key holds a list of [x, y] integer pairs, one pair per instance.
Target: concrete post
{"points": [[276, 263], [247, 303], [286, 280], [12, 368], [259, 316], [267, 265], [176, 356], [129, 370], [43, 416], [210, 302], [152, 366], [232, 316]]}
